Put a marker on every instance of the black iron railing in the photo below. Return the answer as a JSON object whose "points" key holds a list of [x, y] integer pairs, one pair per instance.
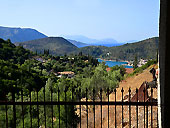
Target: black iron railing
{"points": [[131, 100]]}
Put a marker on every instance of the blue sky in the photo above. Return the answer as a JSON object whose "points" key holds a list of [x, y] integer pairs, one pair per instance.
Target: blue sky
{"points": [[121, 20]]}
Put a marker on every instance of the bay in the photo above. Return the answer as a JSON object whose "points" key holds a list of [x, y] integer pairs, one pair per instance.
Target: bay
{"points": [[114, 63]]}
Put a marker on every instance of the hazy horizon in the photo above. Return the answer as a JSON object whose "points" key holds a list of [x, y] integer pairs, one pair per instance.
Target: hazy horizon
{"points": [[120, 20]]}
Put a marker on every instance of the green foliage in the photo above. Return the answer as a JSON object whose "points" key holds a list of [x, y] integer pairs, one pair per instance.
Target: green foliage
{"points": [[101, 79], [121, 68], [52, 45], [20, 76], [143, 67], [9, 51], [35, 73], [145, 49], [135, 63]]}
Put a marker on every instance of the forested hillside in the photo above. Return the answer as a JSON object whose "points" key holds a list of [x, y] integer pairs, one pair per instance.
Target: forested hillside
{"points": [[55, 45], [24, 74], [145, 49]]}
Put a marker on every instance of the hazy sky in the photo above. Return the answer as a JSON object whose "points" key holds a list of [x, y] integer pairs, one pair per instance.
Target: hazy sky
{"points": [[121, 20]]}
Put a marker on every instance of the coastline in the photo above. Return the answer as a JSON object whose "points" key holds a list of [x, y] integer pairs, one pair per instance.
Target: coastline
{"points": [[114, 60], [127, 64]]}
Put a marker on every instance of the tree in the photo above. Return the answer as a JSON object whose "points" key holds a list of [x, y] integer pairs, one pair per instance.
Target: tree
{"points": [[135, 63]]}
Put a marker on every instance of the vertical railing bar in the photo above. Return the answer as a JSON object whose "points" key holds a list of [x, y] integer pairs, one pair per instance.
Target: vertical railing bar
{"points": [[73, 105], [147, 115], [115, 107], [80, 105], [22, 107], [157, 119], [122, 106], [108, 105], [94, 105], [137, 108], [14, 108], [38, 110], [144, 106], [101, 106], [44, 108], [129, 108], [30, 110], [87, 106], [6, 109], [52, 106], [151, 107], [66, 105], [59, 105]]}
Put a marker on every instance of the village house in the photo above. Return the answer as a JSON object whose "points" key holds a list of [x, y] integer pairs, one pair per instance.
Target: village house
{"points": [[68, 74], [39, 59], [142, 62]]}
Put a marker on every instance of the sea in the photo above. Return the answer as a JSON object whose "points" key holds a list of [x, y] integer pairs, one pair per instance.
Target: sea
{"points": [[114, 63]]}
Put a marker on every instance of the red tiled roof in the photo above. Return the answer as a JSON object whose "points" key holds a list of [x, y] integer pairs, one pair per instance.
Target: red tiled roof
{"points": [[108, 69], [129, 70]]}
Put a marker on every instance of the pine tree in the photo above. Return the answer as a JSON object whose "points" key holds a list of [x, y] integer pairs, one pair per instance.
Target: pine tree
{"points": [[135, 63]]}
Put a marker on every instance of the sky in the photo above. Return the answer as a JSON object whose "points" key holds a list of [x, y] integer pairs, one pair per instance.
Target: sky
{"points": [[122, 20]]}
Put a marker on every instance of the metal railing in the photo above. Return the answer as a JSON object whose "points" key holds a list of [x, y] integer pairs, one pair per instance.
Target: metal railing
{"points": [[131, 103]]}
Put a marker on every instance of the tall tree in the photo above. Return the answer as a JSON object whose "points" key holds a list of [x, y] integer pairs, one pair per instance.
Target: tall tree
{"points": [[135, 63]]}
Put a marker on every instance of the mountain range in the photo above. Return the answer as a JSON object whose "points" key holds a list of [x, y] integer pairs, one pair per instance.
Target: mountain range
{"points": [[26, 34], [108, 42], [20, 34], [36, 41]]}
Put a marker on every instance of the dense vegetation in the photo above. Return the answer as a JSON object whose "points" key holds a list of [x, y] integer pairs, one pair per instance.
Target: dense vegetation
{"points": [[143, 67], [28, 73], [56, 45], [145, 49]]}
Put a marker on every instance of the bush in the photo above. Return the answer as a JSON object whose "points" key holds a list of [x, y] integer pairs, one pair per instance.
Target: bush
{"points": [[143, 67]]}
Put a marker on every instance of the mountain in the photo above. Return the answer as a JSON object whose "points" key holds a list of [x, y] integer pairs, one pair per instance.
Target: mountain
{"points": [[78, 44], [80, 38], [56, 45], [20, 34], [109, 42], [145, 49]]}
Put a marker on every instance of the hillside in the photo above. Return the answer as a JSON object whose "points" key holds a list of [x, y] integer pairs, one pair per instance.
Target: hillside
{"points": [[9, 51], [56, 45], [146, 49], [143, 49], [20, 34], [130, 82]]}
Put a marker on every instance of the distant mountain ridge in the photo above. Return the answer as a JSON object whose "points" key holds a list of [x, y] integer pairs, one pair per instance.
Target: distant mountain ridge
{"points": [[17, 34], [78, 44], [36, 41], [108, 42], [20, 34], [56, 45]]}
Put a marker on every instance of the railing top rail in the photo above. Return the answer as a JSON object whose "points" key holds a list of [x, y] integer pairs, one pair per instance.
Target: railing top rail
{"points": [[80, 103]]}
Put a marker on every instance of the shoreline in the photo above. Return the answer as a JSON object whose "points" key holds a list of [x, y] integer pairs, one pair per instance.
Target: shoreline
{"points": [[114, 60], [126, 63]]}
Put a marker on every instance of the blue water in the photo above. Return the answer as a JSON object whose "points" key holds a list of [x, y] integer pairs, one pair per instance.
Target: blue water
{"points": [[114, 63]]}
